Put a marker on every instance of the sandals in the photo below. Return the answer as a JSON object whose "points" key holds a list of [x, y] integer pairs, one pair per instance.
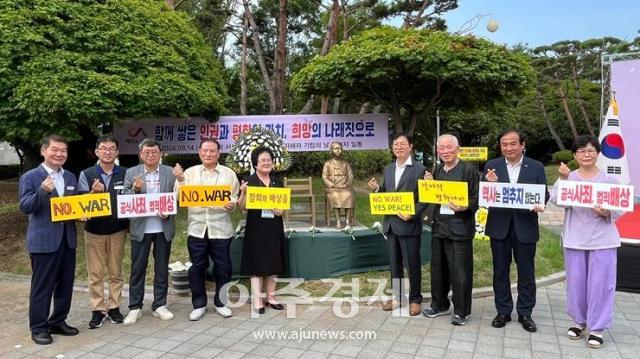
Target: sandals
{"points": [[595, 341], [575, 333]]}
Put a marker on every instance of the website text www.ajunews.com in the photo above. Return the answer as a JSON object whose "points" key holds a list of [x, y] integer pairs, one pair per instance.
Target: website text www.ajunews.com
{"points": [[305, 334]]}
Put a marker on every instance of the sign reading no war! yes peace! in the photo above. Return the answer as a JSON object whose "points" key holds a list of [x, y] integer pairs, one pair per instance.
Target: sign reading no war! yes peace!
{"points": [[443, 192], [268, 198], [204, 196], [392, 203], [84, 205]]}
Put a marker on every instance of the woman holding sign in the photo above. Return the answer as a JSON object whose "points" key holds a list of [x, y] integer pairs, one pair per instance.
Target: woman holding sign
{"points": [[590, 240], [263, 247]]}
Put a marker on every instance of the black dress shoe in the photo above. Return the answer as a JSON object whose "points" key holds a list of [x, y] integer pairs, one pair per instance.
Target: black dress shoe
{"points": [[43, 338], [63, 329], [527, 323], [501, 320], [276, 306]]}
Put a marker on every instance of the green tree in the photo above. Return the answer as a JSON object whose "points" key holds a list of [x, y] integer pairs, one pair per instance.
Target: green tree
{"points": [[411, 73], [75, 67]]}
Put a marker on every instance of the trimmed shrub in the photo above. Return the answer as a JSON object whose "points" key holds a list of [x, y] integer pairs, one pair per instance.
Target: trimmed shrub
{"points": [[573, 165], [562, 156]]}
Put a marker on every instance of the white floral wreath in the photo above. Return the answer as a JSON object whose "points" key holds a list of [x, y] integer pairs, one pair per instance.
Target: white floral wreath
{"points": [[239, 159]]}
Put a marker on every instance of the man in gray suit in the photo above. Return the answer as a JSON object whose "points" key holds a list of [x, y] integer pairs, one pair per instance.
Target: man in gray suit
{"points": [[403, 231], [150, 177]]}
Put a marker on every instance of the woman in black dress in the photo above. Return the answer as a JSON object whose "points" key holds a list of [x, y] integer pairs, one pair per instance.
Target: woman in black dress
{"points": [[263, 246]]}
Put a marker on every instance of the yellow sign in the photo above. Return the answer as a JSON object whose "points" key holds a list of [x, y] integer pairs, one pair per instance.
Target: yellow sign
{"points": [[443, 192], [392, 203], [204, 196], [473, 153], [268, 198], [84, 205]]}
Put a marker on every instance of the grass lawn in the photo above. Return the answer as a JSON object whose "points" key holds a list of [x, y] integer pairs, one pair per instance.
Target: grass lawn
{"points": [[551, 171], [548, 259]]}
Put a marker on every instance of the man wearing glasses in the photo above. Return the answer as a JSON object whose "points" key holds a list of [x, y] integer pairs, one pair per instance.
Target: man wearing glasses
{"points": [[104, 236], [159, 230]]}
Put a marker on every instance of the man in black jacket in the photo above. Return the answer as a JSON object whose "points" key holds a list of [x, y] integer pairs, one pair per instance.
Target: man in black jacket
{"points": [[514, 231], [104, 236], [452, 237]]}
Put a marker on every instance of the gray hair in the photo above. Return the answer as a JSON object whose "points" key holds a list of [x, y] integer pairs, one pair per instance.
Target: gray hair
{"points": [[453, 139]]}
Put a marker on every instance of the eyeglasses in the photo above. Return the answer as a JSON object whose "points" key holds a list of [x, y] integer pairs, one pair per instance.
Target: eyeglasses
{"points": [[400, 144], [150, 153], [590, 151], [107, 149]]}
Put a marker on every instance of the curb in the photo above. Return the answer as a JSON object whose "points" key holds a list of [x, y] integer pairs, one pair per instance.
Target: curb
{"points": [[482, 292]]}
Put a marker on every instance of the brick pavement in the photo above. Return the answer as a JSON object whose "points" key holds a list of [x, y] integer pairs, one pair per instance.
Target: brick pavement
{"points": [[396, 337]]}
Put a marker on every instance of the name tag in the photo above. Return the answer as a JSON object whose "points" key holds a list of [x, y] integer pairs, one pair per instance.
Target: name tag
{"points": [[70, 188], [444, 209], [118, 187], [267, 213]]}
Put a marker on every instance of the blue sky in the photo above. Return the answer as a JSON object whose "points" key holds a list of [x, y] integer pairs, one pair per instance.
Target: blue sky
{"points": [[543, 22]]}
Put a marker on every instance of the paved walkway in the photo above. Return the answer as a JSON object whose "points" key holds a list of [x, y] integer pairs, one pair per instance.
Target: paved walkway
{"points": [[396, 337]]}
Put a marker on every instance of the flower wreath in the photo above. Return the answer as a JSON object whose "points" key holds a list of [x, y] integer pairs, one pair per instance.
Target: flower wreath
{"points": [[239, 159]]}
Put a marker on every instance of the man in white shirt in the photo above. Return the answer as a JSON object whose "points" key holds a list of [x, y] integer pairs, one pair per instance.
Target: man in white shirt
{"points": [[209, 229]]}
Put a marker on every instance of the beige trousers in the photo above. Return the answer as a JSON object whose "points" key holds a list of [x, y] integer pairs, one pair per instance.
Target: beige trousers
{"points": [[104, 257]]}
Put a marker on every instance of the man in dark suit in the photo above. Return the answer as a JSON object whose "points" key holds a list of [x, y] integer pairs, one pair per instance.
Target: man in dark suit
{"points": [[403, 231], [51, 245], [159, 230], [452, 237], [514, 231]]}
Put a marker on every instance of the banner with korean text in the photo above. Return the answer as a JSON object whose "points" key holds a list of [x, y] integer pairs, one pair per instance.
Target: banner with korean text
{"points": [[80, 206], [443, 192], [475, 154], [511, 195], [588, 194], [392, 203], [300, 132], [268, 198], [146, 204], [204, 196]]}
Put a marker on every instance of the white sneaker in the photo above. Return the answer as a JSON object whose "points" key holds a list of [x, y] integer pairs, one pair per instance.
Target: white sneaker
{"points": [[197, 313], [163, 313], [133, 316], [223, 311]]}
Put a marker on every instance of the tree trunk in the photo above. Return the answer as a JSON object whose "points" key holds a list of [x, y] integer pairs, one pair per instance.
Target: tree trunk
{"points": [[562, 94], [364, 107], [547, 120], [260, 57], [576, 84], [308, 105], [324, 105], [243, 67], [336, 105], [30, 157], [281, 58]]}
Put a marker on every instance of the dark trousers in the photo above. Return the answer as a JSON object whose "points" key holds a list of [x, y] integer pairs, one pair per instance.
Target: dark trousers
{"points": [[139, 260], [451, 269], [405, 249], [200, 250], [524, 254], [52, 277]]}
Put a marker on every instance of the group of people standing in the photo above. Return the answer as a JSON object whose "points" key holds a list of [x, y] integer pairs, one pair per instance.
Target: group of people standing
{"points": [[589, 236], [52, 245]]}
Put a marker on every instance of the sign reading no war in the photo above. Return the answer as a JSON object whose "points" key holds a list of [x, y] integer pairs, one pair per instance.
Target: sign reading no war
{"points": [[84, 205], [443, 192], [268, 198], [204, 196], [392, 203]]}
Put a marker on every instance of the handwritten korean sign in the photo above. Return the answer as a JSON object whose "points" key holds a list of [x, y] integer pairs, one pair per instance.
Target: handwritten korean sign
{"points": [[84, 205], [473, 153], [204, 196], [443, 192], [392, 203], [588, 194], [511, 195], [268, 198], [146, 204]]}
